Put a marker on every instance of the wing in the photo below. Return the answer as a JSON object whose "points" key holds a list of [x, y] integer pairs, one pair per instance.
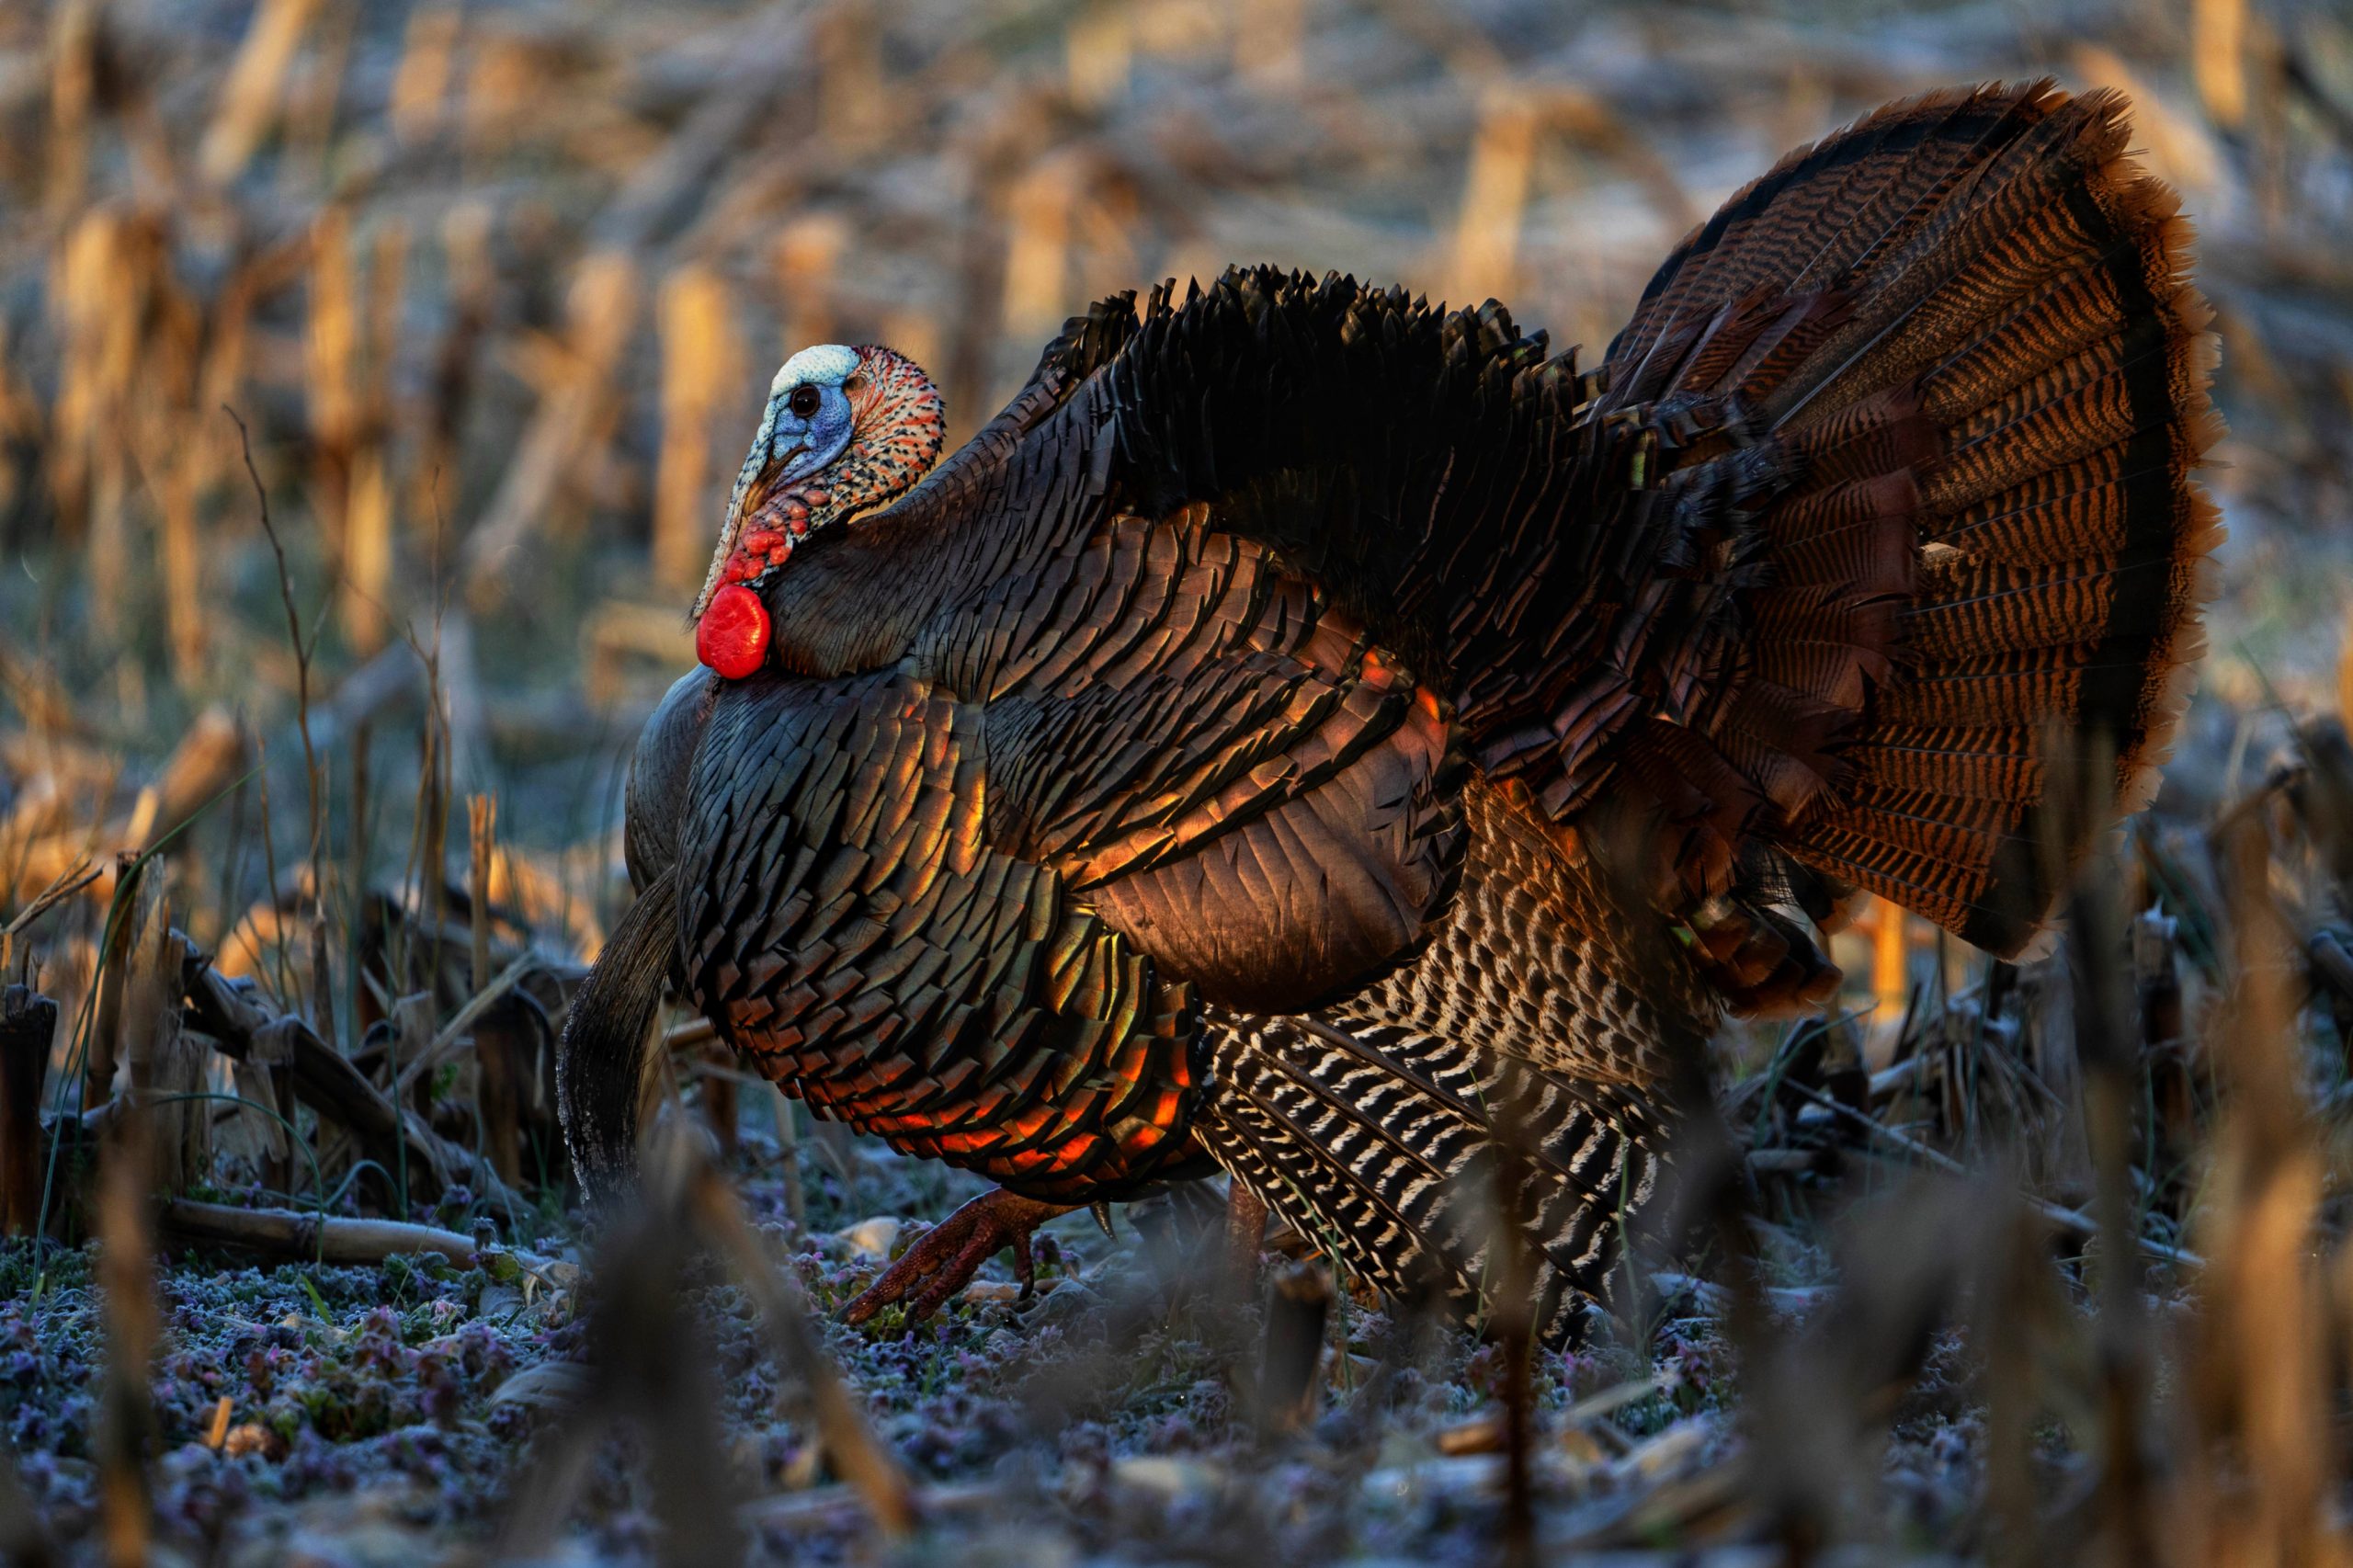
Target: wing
{"points": [[1225, 766], [1437, 474]]}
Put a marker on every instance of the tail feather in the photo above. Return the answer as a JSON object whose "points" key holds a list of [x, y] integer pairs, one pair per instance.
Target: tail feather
{"points": [[1993, 546], [1817, 214]]}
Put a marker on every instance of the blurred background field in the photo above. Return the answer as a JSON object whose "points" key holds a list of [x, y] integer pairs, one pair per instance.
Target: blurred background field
{"points": [[373, 375]]}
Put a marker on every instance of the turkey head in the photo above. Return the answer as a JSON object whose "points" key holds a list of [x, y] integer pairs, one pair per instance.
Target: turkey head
{"points": [[845, 430]]}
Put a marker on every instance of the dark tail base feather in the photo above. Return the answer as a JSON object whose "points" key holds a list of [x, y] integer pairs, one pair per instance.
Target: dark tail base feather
{"points": [[601, 1062]]}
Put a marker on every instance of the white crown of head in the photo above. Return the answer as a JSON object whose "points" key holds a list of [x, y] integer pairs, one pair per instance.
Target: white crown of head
{"points": [[824, 365]]}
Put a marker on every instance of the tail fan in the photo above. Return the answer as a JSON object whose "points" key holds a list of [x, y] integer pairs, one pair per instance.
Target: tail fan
{"points": [[602, 1059], [1964, 328]]}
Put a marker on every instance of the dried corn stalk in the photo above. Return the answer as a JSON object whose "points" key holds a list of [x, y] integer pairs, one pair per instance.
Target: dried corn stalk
{"points": [[699, 373], [254, 95]]}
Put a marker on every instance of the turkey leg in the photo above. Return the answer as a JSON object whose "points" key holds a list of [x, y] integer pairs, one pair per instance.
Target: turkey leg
{"points": [[945, 1260]]}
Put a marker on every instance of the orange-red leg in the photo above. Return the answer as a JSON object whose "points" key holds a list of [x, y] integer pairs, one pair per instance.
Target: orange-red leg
{"points": [[945, 1260]]}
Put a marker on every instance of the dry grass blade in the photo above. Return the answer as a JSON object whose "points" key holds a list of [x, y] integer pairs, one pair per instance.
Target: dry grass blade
{"points": [[63, 886], [699, 373], [127, 1428], [645, 1368], [860, 1459], [446, 1042], [251, 98], [23, 1539], [495, 1062], [2263, 1325], [1299, 1305]]}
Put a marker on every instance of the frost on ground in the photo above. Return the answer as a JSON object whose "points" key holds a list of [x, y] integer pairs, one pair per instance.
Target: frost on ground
{"points": [[380, 1415]]}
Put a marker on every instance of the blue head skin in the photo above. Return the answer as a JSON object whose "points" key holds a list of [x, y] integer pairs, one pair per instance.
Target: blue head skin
{"points": [[809, 418], [807, 425]]}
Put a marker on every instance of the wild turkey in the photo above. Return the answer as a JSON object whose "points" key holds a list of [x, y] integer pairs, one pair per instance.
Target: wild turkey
{"points": [[1305, 721]]}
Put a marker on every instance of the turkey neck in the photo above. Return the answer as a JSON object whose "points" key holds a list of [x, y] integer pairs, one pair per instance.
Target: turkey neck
{"points": [[855, 596], [852, 597]]}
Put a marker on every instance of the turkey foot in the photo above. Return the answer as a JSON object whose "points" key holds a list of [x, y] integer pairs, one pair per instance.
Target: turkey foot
{"points": [[1765, 964], [948, 1256]]}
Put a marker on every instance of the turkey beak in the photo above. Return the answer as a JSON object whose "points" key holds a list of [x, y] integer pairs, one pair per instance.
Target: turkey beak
{"points": [[753, 484]]}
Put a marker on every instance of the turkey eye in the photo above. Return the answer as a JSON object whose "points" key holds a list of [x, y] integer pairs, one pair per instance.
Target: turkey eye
{"points": [[804, 401]]}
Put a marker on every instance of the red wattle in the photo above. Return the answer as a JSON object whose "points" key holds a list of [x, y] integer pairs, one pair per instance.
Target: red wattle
{"points": [[733, 636]]}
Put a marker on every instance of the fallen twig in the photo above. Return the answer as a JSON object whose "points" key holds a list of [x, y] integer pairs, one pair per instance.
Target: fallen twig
{"points": [[2075, 1221], [837, 1504], [329, 1238], [1789, 1300], [329, 1083]]}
